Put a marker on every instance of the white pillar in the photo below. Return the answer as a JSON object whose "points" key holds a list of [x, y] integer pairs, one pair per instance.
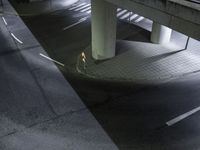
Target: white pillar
{"points": [[104, 23], [160, 34]]}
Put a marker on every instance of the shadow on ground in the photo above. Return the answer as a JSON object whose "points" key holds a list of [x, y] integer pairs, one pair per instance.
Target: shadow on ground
{"points": [[133, 115]]}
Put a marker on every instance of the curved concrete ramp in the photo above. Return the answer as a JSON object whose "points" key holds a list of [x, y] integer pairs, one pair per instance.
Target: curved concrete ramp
{"points": [[144, 62]]}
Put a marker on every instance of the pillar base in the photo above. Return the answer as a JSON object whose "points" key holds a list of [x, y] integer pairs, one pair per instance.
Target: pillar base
{"points": [[160, 34]]}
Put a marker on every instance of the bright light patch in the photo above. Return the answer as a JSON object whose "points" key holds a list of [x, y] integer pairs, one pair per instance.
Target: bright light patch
{"points": [[82, 7], [133, 17], [121, 13], [88, 12], [77, 6], [86, 9], [118, 9], [125, 16], [139, 19], [67, 2]]}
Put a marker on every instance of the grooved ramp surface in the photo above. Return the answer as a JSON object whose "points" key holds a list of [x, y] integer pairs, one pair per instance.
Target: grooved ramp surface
{"points": [[144, 62]]}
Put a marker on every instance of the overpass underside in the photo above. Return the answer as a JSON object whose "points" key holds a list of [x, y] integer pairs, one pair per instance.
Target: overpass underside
{"points": [[167, 15]]}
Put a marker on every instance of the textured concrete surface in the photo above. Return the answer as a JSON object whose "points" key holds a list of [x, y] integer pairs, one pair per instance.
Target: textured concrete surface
{"points": [[38, 107], [143, 62], [133, 117], [72, 131]]}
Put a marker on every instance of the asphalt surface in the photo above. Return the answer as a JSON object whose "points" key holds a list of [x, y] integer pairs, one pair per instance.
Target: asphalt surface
{"points": [[38, 107], [133, 116]]}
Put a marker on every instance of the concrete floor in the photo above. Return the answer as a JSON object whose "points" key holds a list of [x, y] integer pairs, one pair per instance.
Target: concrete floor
{"points": [[127, 116], [142, 62], [38, 108]]}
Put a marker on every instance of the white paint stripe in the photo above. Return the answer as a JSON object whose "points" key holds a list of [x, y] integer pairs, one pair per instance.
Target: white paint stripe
{"points": [[16, 38], [139, 19], [88, 12], [4, 20], [86, 9], [80, 21], [121, 13], [118, 9], [125, 16], [183, 116], [59, 63], [82, 7], [77, 6], [133, 17]]}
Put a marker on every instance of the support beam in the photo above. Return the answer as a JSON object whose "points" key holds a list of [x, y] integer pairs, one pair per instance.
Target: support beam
{"points": [[180, 15], [160, 34], [104, 23]]}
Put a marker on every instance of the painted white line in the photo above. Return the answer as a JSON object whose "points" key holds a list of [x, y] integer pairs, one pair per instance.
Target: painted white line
{"points": [[4, 20], [59, 63], [82, 7], [18, 40], [133, 17], [88, 12], [121, 13], [118, 9], [183, 116], [86, 9], [72, 25], [139, 19], [77, 6], [125, 16]]}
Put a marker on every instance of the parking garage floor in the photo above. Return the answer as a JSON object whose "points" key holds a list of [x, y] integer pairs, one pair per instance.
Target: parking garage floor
{"points": [[40, 110], [142, 62]]}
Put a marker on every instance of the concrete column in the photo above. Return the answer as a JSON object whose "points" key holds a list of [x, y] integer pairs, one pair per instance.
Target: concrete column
{"points": [[104, 23], [160, 34]]}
